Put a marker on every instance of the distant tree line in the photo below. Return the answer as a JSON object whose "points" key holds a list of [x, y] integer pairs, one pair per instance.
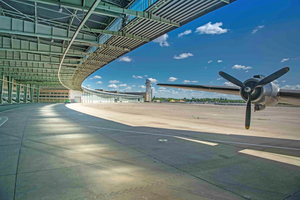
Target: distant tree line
{"points": [[210, 100]]}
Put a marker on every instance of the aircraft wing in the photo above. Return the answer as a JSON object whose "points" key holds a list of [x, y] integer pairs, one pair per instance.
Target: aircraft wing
{"points": [[206, 88], [289, 96]]}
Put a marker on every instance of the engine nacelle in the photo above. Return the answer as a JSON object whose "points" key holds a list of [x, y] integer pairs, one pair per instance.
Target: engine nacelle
{"points": [[261, 96]]}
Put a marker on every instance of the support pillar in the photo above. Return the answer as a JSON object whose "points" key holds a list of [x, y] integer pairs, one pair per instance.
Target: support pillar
{"points": [[25, 93], [18, 93], [1, 88], [38, 94], [31, 93], [9, 89]]}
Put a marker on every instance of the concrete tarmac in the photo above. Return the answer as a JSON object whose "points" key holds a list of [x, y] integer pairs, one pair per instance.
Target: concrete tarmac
{"points": [[57, 151]]}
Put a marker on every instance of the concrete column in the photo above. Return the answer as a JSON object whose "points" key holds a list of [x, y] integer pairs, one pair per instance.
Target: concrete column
{"points": [[31, 93], [1, 88], [9, 89], [18, 93], [38, 94], [25, 93]]}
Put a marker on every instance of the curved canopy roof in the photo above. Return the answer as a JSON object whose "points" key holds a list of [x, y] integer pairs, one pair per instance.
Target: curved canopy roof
{"points": [[35, 34]]}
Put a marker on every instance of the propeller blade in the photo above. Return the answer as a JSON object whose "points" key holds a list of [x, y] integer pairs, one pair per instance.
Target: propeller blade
{"points": [[272, 77], [248, 112], [231, 79]]}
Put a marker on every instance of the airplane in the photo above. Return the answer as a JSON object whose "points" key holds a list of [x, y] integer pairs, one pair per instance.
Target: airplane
{"points": [[259, 90]]}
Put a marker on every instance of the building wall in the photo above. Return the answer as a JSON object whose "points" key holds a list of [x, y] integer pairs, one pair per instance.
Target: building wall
{"points": [[75, 96], [52, 96]]}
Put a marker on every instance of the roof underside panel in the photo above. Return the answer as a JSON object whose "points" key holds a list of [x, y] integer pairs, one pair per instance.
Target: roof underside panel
{"points": [[35, 34]]}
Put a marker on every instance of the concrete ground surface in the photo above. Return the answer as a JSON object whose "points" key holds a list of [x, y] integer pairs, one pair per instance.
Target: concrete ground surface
{"points": [[148, 151]]}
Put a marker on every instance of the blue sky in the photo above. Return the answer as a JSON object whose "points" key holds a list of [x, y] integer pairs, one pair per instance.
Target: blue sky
{"points": [[245, 38]]}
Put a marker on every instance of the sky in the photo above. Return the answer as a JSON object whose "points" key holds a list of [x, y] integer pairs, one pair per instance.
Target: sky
{"points": [[245, 38]]}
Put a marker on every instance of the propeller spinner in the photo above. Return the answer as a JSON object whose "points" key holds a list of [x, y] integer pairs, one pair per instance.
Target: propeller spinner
{"points": [[250, 88]]}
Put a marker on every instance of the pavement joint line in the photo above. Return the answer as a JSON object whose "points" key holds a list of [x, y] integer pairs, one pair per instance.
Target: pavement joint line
{"points": [[5, 145], [79, 165], [16, 108], [147, 133], [2, 175], [4, 120], [18, 161], [291, 195]]}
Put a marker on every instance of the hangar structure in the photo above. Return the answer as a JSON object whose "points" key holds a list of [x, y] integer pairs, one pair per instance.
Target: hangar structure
{"points": [[57, 44]]}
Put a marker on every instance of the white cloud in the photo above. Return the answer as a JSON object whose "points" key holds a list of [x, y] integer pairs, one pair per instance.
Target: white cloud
{"points": [[211, 29], [219, 79], [257, 28], [172, 79], [185, 33], [162, 40], [133, 86], [285, 59], [291, 87], [136, 77], [89, 85], [241, 67], [219, 61], [174, 92], [183, 55], [194, 81], [114, 81], [96, 77], [142, 86], [113, 86], [247, 71], [123, 85], [99, 82], [186, 81], [162, 88], [125, 59], [146, 75], [283, 81], [228, 84], [205, 67], [153, 80], [210, 61], [128, 88]]}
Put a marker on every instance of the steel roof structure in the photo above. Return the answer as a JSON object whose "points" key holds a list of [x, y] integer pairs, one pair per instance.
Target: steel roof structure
{"points": [[59, 43]]}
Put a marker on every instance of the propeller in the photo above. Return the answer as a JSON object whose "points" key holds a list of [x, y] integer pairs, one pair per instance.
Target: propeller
{"points": [[250, 89]]}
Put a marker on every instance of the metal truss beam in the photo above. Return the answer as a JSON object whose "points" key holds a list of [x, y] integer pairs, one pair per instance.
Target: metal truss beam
{"points": [[21, 27], [138, 14], [40, 62], [37, 74], [86, 17], [111, 11], [38, 83], [117, 33], [226, 1], [52, 10], [75, 54], [35, 68], [34, 78], [75, 6]]}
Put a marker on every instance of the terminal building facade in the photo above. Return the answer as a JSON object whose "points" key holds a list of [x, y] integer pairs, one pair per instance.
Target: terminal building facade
{"points": [[12, 92]]}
